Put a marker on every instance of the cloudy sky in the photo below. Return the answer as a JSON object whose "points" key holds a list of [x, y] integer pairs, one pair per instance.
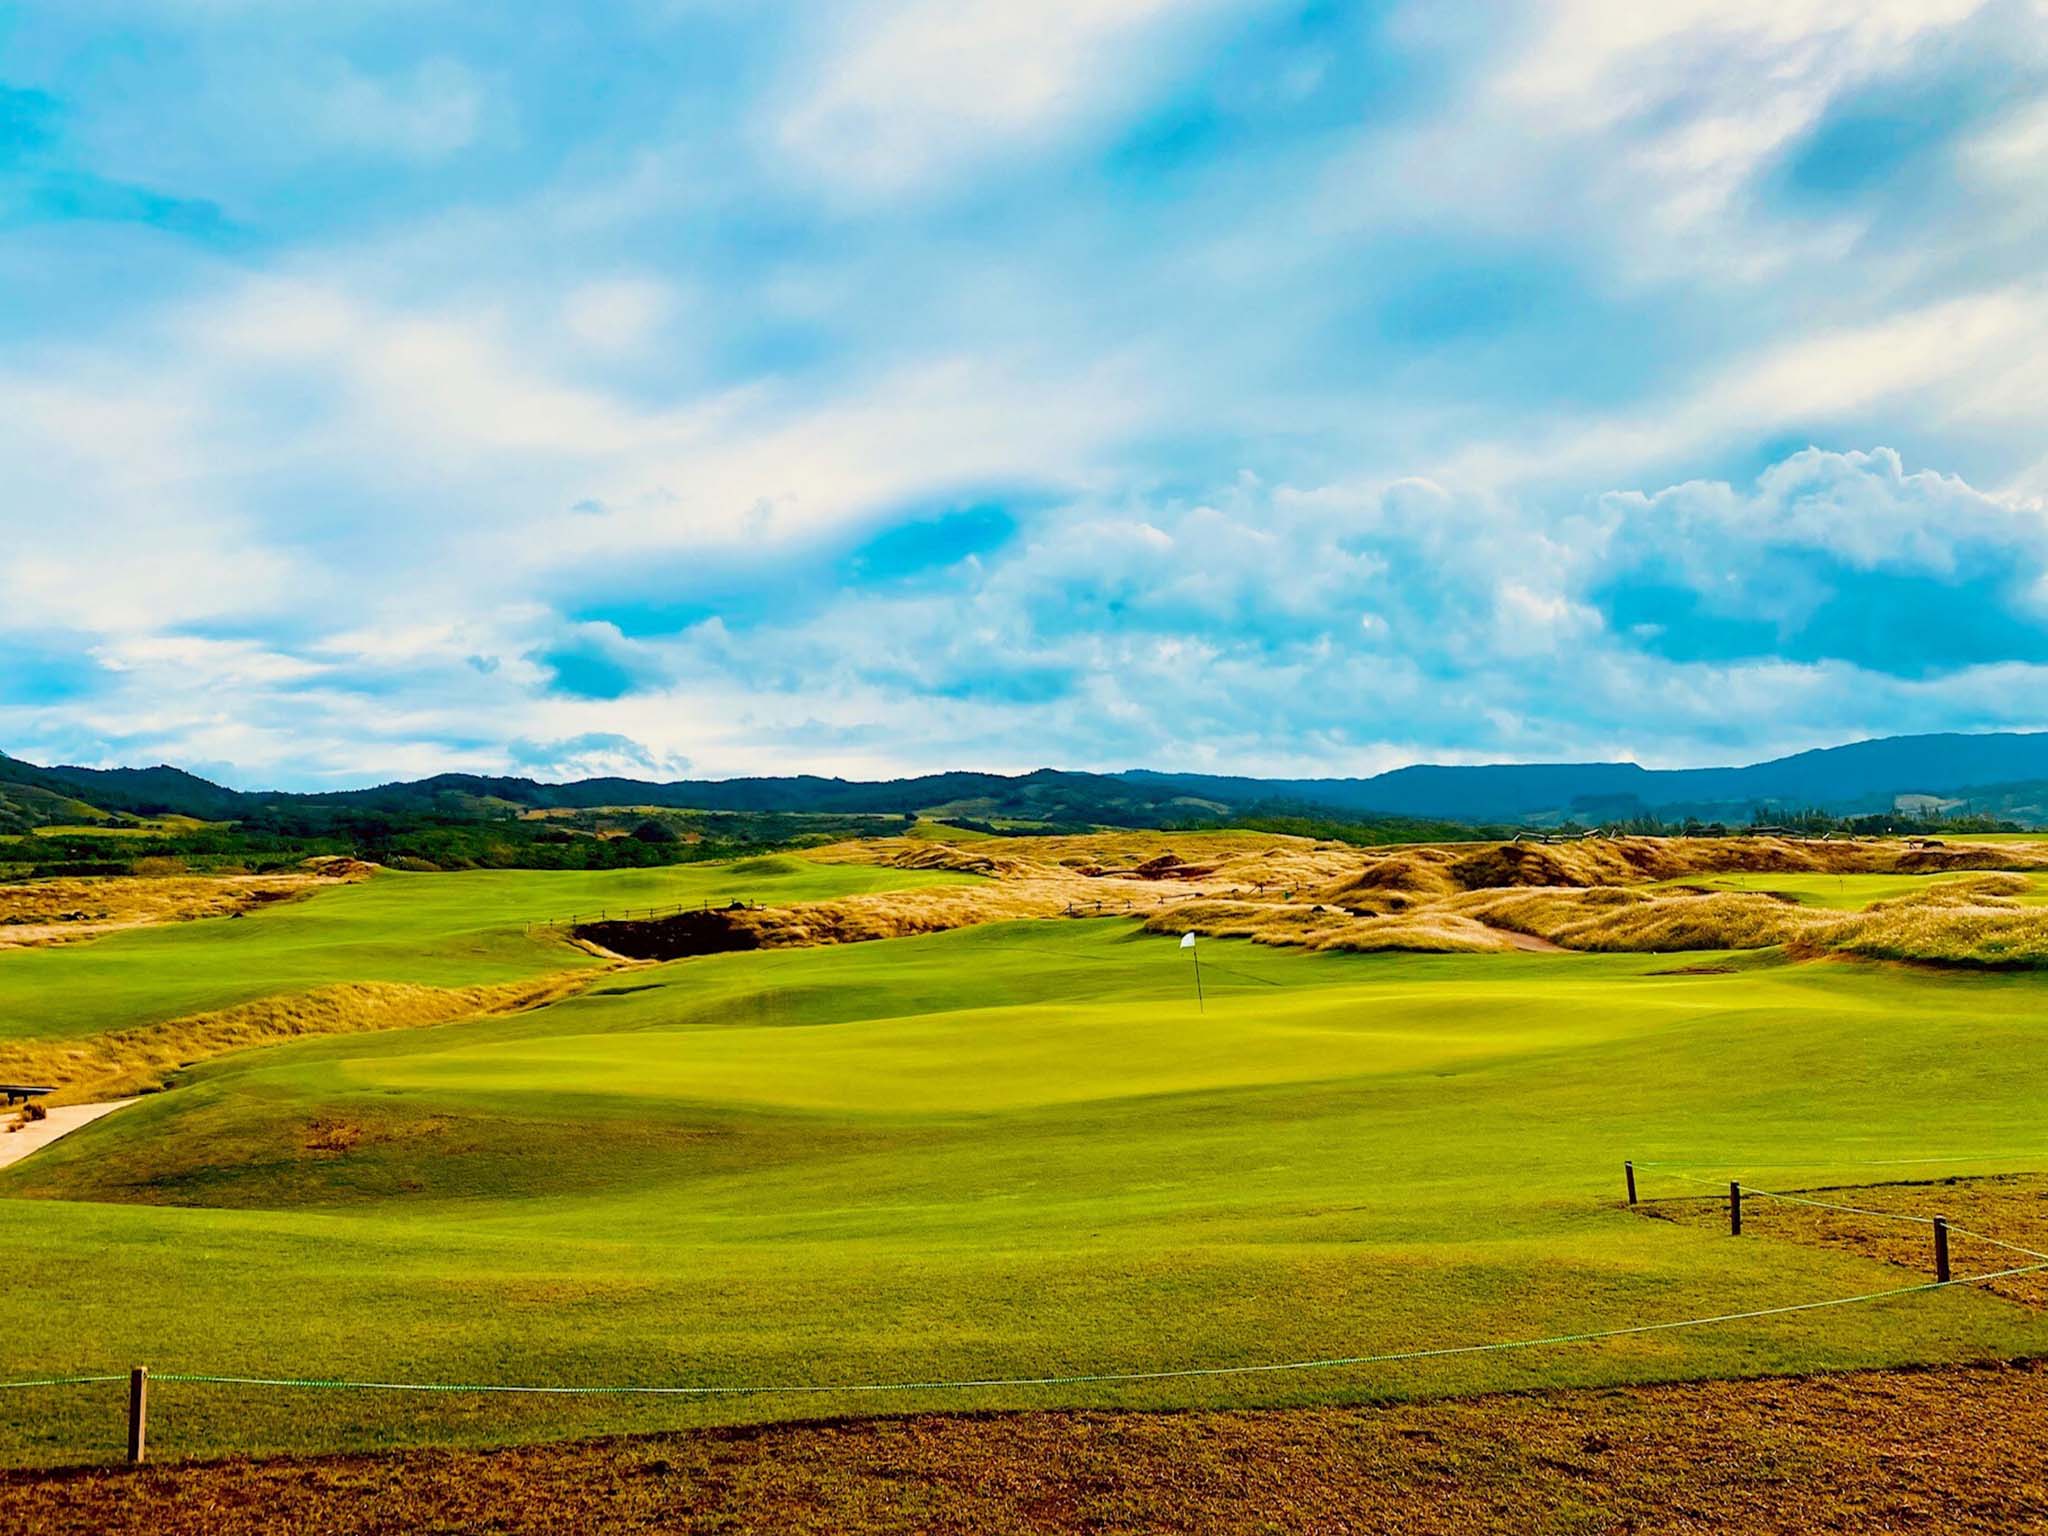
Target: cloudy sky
{"points": [[678, 386]]}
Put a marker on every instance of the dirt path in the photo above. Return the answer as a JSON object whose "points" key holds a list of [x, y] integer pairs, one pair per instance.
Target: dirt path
{"points": [[28, 1136], [1957, 1449]]}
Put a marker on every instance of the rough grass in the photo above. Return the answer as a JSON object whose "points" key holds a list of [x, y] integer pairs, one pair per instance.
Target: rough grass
{"points": [[141, 1060], [1654, 896], [76, 1007], [55, 911], [1964, 1449], [1642, 895]]}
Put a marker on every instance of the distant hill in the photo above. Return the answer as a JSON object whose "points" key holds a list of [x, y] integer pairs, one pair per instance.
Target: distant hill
{"points": [[2005, 774]]}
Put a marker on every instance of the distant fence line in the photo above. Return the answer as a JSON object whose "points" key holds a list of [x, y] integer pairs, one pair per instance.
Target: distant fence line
{"points": [[643, 914]]}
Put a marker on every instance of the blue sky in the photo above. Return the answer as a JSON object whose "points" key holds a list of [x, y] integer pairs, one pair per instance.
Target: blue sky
{"points": [[674, 387]]}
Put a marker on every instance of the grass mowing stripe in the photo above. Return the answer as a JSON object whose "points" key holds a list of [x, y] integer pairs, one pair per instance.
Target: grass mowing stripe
{"points": [[1333, 1362]]}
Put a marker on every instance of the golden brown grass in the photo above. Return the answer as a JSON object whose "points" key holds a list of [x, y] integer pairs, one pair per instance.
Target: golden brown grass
{"points": [[1602, 894], [139, 1060], [1955, 1449], [56, 911], [1973, 922]]}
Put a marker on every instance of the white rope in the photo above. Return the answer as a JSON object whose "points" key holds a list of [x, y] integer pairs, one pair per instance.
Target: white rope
{"points": [[1337, 1362]]}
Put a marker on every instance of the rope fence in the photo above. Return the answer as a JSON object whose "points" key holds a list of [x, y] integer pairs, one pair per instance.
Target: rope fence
{"points": [[1088, 1378], [140, 1377]]}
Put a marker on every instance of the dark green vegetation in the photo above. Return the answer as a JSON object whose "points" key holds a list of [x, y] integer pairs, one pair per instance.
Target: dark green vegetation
{"points": [[1016, 1150], [459, 835], [1982, 778]]}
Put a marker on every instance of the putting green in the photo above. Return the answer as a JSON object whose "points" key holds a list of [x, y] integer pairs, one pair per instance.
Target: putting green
{"points": [[1011, 1151]]}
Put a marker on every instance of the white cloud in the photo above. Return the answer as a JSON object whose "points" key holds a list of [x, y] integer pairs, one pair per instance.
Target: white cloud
{"points": [[1603, 59], [619, 314], [596, 754], [1973, 362], [918, 89]]}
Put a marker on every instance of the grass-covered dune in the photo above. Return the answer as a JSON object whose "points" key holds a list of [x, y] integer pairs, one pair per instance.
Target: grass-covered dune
{"points": [[1011, 1150], [86, 1013]]}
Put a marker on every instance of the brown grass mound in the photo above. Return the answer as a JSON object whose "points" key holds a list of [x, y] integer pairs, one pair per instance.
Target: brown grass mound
{"points": [[898, 914], [1626, 861], [1609, 918], [54, 911], [1428, 930], [1955, 1449], [1982, 932], [1601, 894], [139, 1060]]}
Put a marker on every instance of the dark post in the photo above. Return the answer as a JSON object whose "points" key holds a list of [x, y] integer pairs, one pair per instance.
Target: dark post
{"points": [[1941, 1249], [1734, 1209], [1630, 1170], [138, 1413]]}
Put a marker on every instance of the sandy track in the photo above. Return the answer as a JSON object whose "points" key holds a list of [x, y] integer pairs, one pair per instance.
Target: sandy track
{"points": [[33, 1135]]}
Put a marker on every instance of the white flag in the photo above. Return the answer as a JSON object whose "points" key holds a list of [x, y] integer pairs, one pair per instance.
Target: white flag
{"points": [[1187, 941]]}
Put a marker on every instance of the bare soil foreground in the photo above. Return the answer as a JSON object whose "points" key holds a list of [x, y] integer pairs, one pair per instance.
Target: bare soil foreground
{"points": [[1962, 1448]]}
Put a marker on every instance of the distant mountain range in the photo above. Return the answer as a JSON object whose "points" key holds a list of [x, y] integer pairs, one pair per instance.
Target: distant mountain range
{"points": [[2004, 774]]}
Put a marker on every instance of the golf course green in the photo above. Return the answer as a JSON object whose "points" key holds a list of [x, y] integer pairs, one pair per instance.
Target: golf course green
{"points": [[1014, 1151]]}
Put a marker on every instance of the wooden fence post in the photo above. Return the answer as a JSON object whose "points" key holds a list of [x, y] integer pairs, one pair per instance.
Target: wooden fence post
{"points": [[1941, 1249], [1734, 1208], [138, 1414], [1630, 1170]]}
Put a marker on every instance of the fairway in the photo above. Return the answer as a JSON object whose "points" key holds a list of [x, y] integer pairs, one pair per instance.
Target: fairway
{"points": [[442, 930], [1012, 1151]]}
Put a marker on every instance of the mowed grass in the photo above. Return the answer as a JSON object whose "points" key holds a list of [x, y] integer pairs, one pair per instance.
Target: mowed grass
{"points": [[1013, 1151], [447, 930]]}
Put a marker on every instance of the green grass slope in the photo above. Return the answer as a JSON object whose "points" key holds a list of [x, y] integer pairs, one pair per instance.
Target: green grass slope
{"points": [[445, 930], [1010, 1151]]}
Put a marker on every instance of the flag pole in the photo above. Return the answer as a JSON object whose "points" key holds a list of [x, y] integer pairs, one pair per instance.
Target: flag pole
{"points": [[1187, 941]]}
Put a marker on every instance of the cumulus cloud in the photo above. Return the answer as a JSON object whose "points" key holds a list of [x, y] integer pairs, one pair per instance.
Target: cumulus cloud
{"points": [[595, 754]]}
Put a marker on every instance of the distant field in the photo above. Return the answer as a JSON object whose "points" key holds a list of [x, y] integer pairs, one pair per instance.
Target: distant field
{"points": [[1015, 1150], [154, 826]]}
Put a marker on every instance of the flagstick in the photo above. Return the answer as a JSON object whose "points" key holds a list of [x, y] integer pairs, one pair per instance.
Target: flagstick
{"points": [[1199, 1008]]}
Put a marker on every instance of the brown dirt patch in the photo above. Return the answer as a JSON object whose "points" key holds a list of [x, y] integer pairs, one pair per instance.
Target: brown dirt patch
{"points": [[1960, 1448]]}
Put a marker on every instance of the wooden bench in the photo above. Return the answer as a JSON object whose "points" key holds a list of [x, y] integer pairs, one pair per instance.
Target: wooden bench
{"points": [[18, 1091]]}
